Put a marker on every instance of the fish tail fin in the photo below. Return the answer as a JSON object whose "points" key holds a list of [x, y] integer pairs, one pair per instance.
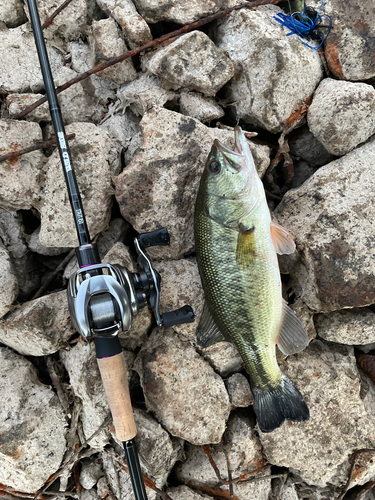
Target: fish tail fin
{"points": [[274, 404]]}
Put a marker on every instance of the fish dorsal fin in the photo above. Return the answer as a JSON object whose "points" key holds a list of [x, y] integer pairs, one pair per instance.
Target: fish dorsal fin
{"points": [[207, 332], [245, 252], [282, 239], [292, 337]]}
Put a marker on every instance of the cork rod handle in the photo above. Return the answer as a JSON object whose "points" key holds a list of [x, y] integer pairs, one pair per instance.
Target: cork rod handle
{"points": [[115, 381]]}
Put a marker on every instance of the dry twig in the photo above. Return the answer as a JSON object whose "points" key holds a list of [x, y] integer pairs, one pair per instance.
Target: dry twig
{"points": [[38, 145]]}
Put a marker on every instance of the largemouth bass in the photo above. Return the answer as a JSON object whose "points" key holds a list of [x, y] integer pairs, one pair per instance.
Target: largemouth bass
{"points": [[236, 244]]}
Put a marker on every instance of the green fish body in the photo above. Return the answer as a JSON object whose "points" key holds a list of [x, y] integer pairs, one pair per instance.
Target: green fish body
{"points": [[237, 244]]}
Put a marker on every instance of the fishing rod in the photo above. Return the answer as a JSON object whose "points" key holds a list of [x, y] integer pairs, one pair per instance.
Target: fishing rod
{"points": [[104, 298]]}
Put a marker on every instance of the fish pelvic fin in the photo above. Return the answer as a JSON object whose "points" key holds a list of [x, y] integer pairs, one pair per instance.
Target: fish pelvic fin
{"points": [[282, 239], [208, 332], [276, 403], [292, 337]]}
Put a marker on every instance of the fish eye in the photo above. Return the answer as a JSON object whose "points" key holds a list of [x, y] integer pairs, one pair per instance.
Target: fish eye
{"points": [[214, 167]]}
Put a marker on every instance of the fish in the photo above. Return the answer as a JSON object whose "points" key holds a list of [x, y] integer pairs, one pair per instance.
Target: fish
{"points": [[236, 245]]}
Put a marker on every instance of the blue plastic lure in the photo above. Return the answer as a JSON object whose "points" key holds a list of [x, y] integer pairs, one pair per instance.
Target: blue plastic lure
{"points": [[307, 25]]}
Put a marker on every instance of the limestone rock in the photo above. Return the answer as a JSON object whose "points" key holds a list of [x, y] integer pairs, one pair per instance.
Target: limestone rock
{"points": [[39, 327], [105, 43], [178, 11], [144, 93], [342, 115], [349, 47], [15, 103], [116, 231], [158, 188], [96, 160], [91, 472], [135, 29], [183, 492], [187, 397], [32, 426], [18, 45], [239, 391], [350, 326], [306, 147], [279, 74], [192, 62], [199, 107], [36, 246], [224, 358], [330, 216], [9, 284], [318, 449], [22, 177], [181, 285], [122, 128], [12, 13]]}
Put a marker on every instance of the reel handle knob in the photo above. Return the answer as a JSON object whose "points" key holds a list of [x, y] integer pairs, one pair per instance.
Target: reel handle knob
{"points": [[178, 317], [159, 237]]}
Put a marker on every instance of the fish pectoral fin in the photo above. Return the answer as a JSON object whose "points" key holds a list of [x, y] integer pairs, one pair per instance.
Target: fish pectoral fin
{"points": [[282, 239], [292, 337], [208, 332], [245, 252]]}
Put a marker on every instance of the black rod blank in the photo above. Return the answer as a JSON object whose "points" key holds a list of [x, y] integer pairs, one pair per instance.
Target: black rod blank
{"points": [[62, 142], [135, 470]]}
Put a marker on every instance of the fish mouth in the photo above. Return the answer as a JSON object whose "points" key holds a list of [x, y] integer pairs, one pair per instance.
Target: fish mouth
{"points": [[233, 160]]}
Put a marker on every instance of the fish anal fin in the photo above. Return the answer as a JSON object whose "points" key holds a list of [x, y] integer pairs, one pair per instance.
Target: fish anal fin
{"points": [[207, 332], [245, 252], [282, 239], [292, 337]]}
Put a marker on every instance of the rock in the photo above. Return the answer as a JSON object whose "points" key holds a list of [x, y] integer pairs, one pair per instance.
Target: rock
{"points": [[181, 285], [239, 391], [158, 452], [18, 45], [224, 358], [103, 489], [302, 172], [81, 365], [122, 128], [306, 147], [36, 246], [117, 230], [9, 283], [39, 327], [105, 43], [199, 107], [22, 177], [32, 426], [135, 29], [187, 397], [341, 115], [241, 454], [178, 11], [90, 473], [15, 103], [350, 326], [279, 74], [319, 449], [329, 216], [96, 159], [145, 93], [192, 62], [349, 47], [184, 493], [12, 13], [158, 188]]}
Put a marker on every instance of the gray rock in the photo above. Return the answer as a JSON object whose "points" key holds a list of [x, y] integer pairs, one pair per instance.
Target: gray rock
{"points": [[32, 426], [22, 177], [330, 216], [9, 283], [105, 43], [192, 62], [96, 159], [145, 93], [319, 449], [224, 358], [306, 147], [39, 327], [179, 11], [181, 285], [36, 246], [199, 107], [135, 29], [18, 45], [350, 326], [239, 391], [117, 230], [342, 115], [158, 188], [122, 127], [349, 47], [15, 103], [91, 472], [12, 13], [279, 74], [82, 59], [302, 172], [103, 489], [183, 492], [187, 397]]}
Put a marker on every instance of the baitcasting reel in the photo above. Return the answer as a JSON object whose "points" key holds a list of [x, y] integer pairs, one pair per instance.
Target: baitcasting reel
{"points": [[104, 298]]}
